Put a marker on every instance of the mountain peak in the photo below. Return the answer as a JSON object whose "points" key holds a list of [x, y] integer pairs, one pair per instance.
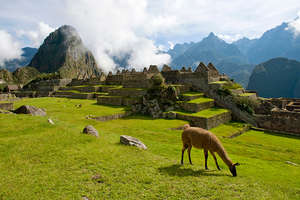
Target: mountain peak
{"points": [[64, 51]]}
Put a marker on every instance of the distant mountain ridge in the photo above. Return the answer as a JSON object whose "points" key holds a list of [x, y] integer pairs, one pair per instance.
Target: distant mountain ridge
{"points": [[26, 57], [239, 58], [278, 77], [226, 57]]}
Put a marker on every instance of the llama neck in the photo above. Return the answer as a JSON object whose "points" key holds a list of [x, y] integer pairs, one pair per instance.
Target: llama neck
{"points": [[223, 154]]}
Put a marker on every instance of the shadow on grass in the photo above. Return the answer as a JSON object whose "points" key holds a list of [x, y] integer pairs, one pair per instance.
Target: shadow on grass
{"points": [[176, 170]]}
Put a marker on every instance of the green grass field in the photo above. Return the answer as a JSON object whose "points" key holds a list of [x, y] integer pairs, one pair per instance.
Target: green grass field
{"points": [[207, 113], [43, 161]]}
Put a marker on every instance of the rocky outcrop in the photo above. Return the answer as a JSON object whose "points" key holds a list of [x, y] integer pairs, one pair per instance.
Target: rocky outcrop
{"points": [[131, 141], [6, 76], [24, 75], [63, 51], [26, 109], [90, 130]]}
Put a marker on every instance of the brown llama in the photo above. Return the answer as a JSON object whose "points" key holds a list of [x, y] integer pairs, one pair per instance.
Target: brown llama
{"points": [[203, 139]]}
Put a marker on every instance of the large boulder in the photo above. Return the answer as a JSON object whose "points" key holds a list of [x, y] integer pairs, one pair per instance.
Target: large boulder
{"points": [[131, 141], [90, 130], [26, 109]]}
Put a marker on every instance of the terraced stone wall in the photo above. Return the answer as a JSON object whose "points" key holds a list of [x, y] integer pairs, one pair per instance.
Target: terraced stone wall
{"points": [[280, 121]]}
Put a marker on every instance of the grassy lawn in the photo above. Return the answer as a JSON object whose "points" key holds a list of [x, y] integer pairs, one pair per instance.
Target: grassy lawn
{"points": [[43, 161], [78, 92], [200, 100], [207, 113], [247, 94], [192, 94]]}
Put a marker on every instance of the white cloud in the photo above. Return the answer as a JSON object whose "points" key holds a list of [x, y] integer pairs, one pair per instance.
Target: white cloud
{"points": [[9, 48], [37, 36], [117, 28], [230, 38], [294, 26]]}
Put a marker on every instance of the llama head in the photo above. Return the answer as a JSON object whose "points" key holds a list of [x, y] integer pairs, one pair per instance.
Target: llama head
{"points": [[186, 126], [233, 169]]}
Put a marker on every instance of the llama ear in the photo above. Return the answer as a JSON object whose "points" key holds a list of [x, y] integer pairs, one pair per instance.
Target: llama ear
{"points": [[236, 164]]}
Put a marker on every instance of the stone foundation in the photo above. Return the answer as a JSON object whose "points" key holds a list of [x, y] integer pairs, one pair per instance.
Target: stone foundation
{"points": [[6, 106]]}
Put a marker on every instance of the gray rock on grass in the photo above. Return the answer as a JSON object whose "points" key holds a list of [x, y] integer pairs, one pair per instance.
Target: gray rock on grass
{"points": [[90, 130], [131, 141], [26, 109]]}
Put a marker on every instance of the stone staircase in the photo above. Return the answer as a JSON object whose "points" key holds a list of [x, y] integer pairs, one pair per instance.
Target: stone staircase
{"points": [[122, 96], [84, 91], [200, 111]]}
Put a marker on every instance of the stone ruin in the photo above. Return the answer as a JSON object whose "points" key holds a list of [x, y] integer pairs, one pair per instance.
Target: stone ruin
{"points": [[279, 114]]}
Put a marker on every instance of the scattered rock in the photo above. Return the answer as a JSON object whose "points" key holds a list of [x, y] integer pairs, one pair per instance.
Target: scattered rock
{"points": [[98, 178], [90, 130], [5, 112], [26, 109], [291, 163], [131, 141], [50, 121], [85, 198]]}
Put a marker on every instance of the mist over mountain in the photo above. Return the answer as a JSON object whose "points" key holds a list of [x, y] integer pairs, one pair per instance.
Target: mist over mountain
{"points": [[278, 77], [63, 51], [26, 56]]}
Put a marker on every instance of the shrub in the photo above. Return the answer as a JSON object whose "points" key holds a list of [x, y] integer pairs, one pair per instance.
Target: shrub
{"points": [[231, 86], [246, 104]]}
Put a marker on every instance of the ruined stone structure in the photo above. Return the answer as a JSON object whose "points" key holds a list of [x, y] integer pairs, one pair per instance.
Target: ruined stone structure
{"points": [[128, 87], [198, 79]]}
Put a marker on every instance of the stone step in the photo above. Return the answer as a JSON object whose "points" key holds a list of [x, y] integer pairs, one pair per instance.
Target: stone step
{"points": [[191, 96], [196, 105], [127, 92], [77, 95], [118, 100], [206, 119]]}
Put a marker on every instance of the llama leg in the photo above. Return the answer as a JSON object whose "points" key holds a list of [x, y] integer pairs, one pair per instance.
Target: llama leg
{"points": [[189, 151], [205, 156], [185, 146], [213, 154]]}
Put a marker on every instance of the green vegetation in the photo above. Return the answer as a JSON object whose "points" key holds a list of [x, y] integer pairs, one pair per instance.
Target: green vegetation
{"points": [[246, 94], [192, 94], [78, 92], [201, 100], [43, 161], [246, 104], [231, 85], [207, 113]]}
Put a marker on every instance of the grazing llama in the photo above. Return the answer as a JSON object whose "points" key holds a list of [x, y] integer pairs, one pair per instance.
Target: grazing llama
{"points": [[203, 139]]}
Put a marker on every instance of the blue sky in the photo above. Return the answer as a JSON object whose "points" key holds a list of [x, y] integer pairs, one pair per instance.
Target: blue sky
{"points": [[142, 27]]}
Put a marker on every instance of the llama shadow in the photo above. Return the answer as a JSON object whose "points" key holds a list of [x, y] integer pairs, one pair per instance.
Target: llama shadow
{"points": [[176, 170]]}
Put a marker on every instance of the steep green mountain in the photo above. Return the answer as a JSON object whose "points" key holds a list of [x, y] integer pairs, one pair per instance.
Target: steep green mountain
{"points": [[63, 51], [27, 55], [279, 77]]}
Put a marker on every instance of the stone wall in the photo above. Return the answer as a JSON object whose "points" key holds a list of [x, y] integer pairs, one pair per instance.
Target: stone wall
{"points": [[6, 106], [281, 120], [7, 96]]}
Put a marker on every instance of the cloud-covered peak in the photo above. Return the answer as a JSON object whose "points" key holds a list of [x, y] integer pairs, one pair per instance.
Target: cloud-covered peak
{"points": [[294, 26], [9, 48]]}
